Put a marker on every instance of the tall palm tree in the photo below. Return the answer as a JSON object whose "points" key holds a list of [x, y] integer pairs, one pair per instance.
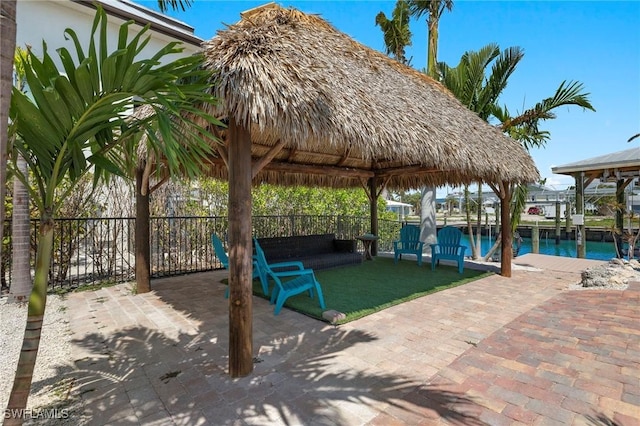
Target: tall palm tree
{"points": [[7, 48], [468, 83], [433, 9], [396, 32], [74, 121], [472, 83], [21, 220], [140, 168]]}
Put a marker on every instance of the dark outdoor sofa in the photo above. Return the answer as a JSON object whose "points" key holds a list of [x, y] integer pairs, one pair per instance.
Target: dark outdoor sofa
{"points": [[314, 251]]}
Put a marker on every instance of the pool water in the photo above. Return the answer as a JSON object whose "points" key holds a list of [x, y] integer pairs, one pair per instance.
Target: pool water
{"points": [[566, 248]]}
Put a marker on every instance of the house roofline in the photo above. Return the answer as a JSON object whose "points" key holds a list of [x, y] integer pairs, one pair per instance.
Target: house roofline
{"points": [[160, 23]]}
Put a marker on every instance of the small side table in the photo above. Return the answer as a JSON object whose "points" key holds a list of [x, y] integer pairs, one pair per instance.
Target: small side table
{"points": [[367, 241]]}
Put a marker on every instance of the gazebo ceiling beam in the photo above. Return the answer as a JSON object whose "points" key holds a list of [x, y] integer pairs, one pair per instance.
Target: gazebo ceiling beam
{"points": [[383, 185], [338, 159], [344, 158], [262, 162], [222, 152], [304, 168], [625, 183], [292, 153], [399, 171], [318, 169], [221, 146], [285, 166]]}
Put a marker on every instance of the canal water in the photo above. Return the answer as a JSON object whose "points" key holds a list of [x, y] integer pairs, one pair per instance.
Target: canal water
{"points": [[567, 248]]}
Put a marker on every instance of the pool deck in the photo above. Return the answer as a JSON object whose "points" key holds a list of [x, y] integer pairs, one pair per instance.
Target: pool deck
{"points": [[512, 351]]}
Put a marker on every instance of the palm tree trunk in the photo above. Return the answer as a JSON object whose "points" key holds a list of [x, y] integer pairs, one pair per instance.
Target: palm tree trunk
{"points": [[479, 224], [432, 52], [143, 251], [20, 240], [467, 209], [494, 247], [33, 329], [7, 49]]}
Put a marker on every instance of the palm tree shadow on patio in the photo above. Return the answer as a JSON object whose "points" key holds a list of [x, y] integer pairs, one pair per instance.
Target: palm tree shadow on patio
{"points": [[300, 376]]}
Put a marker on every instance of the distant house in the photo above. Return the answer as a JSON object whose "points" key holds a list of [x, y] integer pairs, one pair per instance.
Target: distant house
{"points": [[401, 209]]}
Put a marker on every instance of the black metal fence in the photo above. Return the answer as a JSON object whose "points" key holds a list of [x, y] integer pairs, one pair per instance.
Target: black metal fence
{"points": [[101, 250]]}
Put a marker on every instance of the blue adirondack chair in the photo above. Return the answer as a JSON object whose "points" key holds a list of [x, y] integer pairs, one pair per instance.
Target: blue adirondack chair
{"points": [[448, 247], [301, 279], [409, 242], [221, 254]]}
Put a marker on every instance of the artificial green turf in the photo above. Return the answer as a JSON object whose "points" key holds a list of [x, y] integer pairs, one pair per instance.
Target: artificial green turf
{"points": [[361, 290]]}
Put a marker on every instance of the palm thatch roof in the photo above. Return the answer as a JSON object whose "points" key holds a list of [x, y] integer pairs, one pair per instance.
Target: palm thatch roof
{"points": [[329, 111]]}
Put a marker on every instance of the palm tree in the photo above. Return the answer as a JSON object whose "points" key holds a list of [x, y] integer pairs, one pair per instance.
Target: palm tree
{"points": [[433, 9], [8, 10], [21, 220], [525, 127], [74, 122], [140, 167], [8, 37], [397, 35], [469, 82]]}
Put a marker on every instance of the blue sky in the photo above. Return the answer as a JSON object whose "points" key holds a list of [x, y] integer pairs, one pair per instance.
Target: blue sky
{"points": [[596, 43]]}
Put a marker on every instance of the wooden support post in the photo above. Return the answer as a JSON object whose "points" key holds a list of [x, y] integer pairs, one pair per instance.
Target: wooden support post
{"points": [[567, 219], [621, 207], [505, 220], [240, 252], [581, 247], [557, 222], [535, 239], [373, 207]]}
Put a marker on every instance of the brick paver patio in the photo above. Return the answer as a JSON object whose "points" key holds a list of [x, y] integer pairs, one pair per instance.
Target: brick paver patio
{"points": [[495, 351]]}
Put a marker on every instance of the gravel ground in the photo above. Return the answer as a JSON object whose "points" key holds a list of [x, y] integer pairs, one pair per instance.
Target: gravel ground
{"points": [[54, 356]]}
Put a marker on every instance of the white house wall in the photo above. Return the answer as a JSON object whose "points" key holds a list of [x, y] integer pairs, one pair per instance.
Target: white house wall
{"points": [[47, 20]]}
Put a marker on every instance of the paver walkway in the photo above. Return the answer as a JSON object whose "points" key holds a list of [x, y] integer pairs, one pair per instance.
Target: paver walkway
{"points": [[495, 351]]}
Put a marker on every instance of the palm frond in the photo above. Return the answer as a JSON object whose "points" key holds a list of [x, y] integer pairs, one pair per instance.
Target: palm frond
{"points": [[76, 120], [396, 32], [566, 94], [165, 5], [505, 64], [429, 8], [519, 201], [526, 125]]}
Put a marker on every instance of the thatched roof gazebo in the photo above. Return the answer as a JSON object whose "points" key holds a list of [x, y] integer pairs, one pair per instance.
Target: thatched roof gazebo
{"points": [[308, 105]]}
